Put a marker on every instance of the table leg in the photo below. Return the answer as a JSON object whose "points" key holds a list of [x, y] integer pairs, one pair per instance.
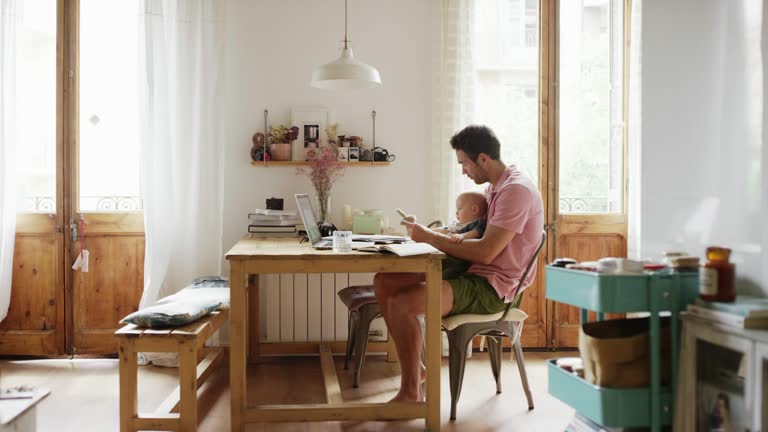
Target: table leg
{"points": [[237, 331], [433, 321]]}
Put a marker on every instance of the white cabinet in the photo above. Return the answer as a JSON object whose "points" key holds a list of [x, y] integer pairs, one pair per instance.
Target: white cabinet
{"points": [[723, 371]]}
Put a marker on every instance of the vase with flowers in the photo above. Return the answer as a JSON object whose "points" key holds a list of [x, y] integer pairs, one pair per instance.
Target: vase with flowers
{"points": [[280, 138], [323, 171]]}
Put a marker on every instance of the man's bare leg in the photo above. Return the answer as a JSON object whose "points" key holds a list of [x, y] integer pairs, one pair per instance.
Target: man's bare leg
{"points": [[401, 297]]}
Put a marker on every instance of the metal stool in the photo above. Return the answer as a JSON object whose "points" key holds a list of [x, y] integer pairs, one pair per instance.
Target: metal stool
{"points": [[363, 308]]}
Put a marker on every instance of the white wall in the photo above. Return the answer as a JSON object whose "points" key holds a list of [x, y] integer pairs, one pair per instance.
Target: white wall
{"points": [[273, 47], [704, 148]]}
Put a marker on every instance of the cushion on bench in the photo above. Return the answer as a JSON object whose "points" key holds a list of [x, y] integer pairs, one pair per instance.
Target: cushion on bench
{"points": [[171, 314], [195, 293]]}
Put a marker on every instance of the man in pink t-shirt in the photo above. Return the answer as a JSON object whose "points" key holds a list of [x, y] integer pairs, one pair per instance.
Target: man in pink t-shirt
{"points": [[515, 224]]}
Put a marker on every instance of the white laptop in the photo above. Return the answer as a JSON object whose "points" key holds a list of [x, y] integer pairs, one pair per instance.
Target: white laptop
{"points": [[313, 232]]}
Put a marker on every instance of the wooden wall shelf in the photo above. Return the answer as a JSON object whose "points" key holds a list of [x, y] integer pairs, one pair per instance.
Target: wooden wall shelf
{"points": [[303, 163]]}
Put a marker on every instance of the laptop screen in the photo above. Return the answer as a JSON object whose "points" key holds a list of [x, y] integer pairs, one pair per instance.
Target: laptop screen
{"points": [[308, 217]]}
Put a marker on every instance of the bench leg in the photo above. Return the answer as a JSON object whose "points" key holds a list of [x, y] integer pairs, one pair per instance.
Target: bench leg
{"points": [[188, 386], [128, 385]]}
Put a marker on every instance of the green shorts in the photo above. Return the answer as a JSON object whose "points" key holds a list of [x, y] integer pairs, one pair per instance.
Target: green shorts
{"points": [[472, 294]]}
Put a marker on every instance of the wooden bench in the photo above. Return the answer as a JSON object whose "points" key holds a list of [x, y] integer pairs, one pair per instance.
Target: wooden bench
{"points": [[179, 410]]}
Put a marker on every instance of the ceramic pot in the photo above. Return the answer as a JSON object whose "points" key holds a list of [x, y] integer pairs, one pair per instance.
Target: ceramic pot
{"points": [[280, 152]]}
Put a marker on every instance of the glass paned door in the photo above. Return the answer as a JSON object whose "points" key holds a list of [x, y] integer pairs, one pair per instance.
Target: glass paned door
{"points": [[591, 220], [106, 173], [35, 324]]}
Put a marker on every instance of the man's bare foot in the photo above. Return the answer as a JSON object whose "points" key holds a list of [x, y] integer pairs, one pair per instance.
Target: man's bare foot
{"points": [[403, 396]]}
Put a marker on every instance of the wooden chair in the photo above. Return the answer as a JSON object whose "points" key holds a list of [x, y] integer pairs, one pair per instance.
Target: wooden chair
{"points": [[179, 410], [462, 328]]}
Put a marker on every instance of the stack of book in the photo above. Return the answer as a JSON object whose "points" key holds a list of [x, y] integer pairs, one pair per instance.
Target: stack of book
{"points": [[745, 312], [273, 223]]}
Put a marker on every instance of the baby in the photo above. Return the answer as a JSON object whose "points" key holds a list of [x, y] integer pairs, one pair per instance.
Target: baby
{"points": [[470, 223]]}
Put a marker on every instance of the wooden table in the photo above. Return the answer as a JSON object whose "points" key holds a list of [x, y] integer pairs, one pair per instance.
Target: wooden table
{"points": [[286, 255]]}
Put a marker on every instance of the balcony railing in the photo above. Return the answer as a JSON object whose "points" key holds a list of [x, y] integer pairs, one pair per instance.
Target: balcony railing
{"points": [[87, 204], [584, 205]]}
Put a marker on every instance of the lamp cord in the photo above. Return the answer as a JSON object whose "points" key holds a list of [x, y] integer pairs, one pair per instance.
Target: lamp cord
{"points": [[345, 24]]}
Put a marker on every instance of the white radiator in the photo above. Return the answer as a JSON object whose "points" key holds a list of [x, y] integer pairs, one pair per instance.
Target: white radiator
{"points": [[305, 307]]}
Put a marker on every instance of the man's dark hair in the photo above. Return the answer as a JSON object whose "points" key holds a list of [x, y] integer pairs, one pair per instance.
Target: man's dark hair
{"points": [[476, 139]]}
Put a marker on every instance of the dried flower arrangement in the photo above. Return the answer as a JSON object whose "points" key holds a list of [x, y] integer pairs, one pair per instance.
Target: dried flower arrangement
{"points": [[330, 132], [324, 169], [281, 134]]}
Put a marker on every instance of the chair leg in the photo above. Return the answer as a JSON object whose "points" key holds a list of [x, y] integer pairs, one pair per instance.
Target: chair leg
{"points": [[457, 360], [523, 374], [494, 353], [351, 318], [362, 326]]}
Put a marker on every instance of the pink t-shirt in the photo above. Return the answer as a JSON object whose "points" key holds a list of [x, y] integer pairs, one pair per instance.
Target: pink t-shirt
{"points": [[514, 204]]}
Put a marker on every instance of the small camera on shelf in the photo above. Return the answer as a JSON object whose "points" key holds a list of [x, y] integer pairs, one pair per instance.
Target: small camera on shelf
{"points": [[274, 203]]}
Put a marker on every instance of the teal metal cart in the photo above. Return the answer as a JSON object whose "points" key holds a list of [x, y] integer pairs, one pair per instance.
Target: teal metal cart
{"points": [[604, 293]]}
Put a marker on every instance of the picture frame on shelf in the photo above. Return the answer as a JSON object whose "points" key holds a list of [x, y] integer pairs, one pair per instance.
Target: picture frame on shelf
{"points": [[354, 154], [343, 154], [311, 121]]}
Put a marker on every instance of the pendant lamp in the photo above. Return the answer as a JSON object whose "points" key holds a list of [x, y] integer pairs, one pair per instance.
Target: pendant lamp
{"points": [[346, 72]]}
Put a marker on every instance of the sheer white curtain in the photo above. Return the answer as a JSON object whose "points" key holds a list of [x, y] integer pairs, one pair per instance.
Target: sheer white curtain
{"points": [[8, 20], [181, 59], [634, 154], [453, 99]]}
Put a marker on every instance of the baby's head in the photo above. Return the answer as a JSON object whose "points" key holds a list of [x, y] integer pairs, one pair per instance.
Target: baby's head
{"points": [[470, 206]]}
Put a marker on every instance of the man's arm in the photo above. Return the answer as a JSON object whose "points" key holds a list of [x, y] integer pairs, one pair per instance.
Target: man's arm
{"points": [[482, 251], [458, 238]]}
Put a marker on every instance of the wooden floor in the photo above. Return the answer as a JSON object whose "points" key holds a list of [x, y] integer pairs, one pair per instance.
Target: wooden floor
{"points": [[84, 394]]}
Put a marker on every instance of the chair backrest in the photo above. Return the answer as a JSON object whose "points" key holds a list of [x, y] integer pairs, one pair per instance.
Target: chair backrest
{"points": [[519, 295]]}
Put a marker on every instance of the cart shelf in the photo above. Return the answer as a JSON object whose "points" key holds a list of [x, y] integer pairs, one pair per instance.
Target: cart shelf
{"points": [[620, 293], [610, 407]]}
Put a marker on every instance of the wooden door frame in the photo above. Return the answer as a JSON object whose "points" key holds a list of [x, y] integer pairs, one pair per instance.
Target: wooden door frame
{"points": [[65, 157], [548, 130], [550, 139]]}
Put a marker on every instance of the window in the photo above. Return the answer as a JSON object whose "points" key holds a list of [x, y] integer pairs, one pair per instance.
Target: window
{"points": [[108, 146], [507, 78], [36, 89], [590, 95]]}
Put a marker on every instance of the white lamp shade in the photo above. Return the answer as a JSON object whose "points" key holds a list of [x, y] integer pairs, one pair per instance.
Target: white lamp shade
{"points": [[346, 73]]}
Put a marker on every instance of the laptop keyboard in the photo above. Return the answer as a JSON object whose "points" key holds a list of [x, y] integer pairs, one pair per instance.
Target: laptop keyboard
{"points": [[324, 244]]}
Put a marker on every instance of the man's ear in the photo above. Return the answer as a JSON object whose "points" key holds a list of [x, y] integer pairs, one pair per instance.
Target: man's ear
{"points": [[482, 158]]}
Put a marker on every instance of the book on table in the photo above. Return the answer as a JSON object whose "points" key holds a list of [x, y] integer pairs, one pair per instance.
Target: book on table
{"points": [[274, 222], [402, 249], [731, 319], [267, 212], [746, 306], [271, 229]]}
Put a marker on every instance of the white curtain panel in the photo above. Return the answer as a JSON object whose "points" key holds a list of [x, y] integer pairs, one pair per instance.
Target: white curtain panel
{"points": [[181, 85], [453, 98], [8, 20], [634, 153]]}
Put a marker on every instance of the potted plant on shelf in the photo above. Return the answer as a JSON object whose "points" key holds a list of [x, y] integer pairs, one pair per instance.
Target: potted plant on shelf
{"points": [[323, 171], [280, 138]]}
